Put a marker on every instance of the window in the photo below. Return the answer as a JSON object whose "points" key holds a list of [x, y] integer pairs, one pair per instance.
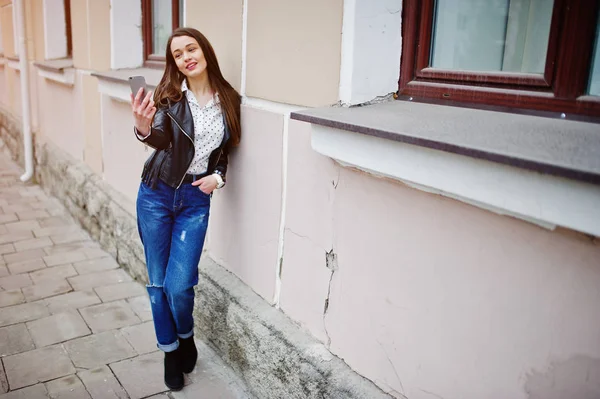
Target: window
{"points": [[509, 54], [57, 29], [160, 18]]}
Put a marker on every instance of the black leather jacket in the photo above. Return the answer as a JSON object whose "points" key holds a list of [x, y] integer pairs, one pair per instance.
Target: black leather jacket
{"points": [[172, 136]]}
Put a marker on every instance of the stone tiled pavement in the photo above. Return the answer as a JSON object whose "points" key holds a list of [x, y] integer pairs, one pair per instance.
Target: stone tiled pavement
{"points": [[72, 323]]}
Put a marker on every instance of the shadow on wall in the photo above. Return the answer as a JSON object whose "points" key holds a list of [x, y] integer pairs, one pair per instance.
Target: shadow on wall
{"points": [[576, 378]]}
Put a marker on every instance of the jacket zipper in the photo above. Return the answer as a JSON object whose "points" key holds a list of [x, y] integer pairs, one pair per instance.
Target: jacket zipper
{"points": [[186, 135], [219, 157]]}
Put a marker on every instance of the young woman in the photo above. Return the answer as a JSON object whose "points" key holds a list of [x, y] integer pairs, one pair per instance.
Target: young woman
{"points": [[192, 121]]}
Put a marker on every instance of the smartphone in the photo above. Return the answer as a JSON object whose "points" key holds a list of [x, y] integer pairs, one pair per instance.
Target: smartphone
{"points": [[136, 83]]}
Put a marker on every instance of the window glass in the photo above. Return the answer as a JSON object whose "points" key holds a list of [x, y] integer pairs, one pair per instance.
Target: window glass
{"points": [[595, 71], [491, 35], [181, 21], [162, 25]]}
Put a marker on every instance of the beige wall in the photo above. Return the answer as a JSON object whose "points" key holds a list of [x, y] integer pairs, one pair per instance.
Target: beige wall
{"points": [[34, 29], [294, 51], [79, 30], [221, 22], [99, 34], [36, 15]]}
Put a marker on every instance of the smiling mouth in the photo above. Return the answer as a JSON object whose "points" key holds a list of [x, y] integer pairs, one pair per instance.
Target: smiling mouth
{"points": [[191, 66]]}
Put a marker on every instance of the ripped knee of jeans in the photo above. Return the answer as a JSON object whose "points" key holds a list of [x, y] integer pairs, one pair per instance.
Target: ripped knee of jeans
{"points": [[154, 292]]}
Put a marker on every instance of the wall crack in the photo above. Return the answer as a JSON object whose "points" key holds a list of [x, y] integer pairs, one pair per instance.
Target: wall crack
{"points": [[332, 264]]}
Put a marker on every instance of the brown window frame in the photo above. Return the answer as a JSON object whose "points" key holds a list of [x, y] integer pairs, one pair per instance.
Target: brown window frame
{"points": [[560, 89], [153, 60], [68, 28]]}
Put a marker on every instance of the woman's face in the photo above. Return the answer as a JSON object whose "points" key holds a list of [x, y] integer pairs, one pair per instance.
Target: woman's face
{"points": [[188, 56]]}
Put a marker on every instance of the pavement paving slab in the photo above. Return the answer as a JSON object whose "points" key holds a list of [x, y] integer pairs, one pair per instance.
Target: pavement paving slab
{"points": [[69, 387], [37, 391], [21, 256], [49, 289], [3, 382], [141, 337], [57, 328], [101, 383], [93, 280], [96, 265], [141, 306], [71, 301], [141, 376], [20, 313], [99, 349], [109, 316], [118, 291], [63, 258], [62, 272], [15, 282], [26, 266], [31, 367], [15, 339], [10, 298]]}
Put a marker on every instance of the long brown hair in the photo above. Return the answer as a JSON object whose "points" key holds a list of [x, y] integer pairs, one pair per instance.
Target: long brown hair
{"points": [[169, 88]]}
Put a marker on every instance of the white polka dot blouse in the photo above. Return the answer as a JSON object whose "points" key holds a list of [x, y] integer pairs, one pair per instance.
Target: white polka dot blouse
{"points": [[208, 129]]}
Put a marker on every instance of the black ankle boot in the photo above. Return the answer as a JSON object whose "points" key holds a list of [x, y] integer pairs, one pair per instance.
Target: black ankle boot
{"points": [[173, 374], [188, 354]]}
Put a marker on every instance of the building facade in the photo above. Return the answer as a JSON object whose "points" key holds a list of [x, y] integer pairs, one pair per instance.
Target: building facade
{"points": [[439, 250]]}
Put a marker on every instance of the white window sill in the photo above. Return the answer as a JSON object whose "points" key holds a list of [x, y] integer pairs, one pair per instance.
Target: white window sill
{"points": [[542, 170], [13, 63], [60, 71], [115, 84]]}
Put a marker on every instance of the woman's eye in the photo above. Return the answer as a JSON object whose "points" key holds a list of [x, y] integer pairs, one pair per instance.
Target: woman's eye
{"points": [[177, 56]]}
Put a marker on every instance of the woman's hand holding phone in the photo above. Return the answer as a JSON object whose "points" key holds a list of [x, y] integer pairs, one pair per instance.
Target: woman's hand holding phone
{"points": [[143, 111]]}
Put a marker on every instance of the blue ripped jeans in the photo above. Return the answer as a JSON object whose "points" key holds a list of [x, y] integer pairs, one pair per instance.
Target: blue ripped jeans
{"points": [[172, 225]]}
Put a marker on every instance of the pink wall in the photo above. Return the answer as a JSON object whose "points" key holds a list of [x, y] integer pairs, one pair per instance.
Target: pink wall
{"points": [[309, 230], [123, 155], [433, 297], [14, 90], [3, 87], [244, 226], [61, 115]]}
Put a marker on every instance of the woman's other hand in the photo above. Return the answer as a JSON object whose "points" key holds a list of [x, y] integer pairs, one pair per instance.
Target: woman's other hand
{"points": [[207, 184], [143, 112]]}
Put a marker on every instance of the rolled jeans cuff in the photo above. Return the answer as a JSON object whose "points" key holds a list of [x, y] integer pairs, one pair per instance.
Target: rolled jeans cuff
{"points": [[169, 347], [187, 335]]}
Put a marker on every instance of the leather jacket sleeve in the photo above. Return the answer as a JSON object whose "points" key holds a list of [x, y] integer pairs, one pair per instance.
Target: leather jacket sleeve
{"points": [[161, 135], [221, 167]]}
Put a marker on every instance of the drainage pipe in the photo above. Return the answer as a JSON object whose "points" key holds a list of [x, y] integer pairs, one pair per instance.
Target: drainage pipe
{"points": [[24, 75]]}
